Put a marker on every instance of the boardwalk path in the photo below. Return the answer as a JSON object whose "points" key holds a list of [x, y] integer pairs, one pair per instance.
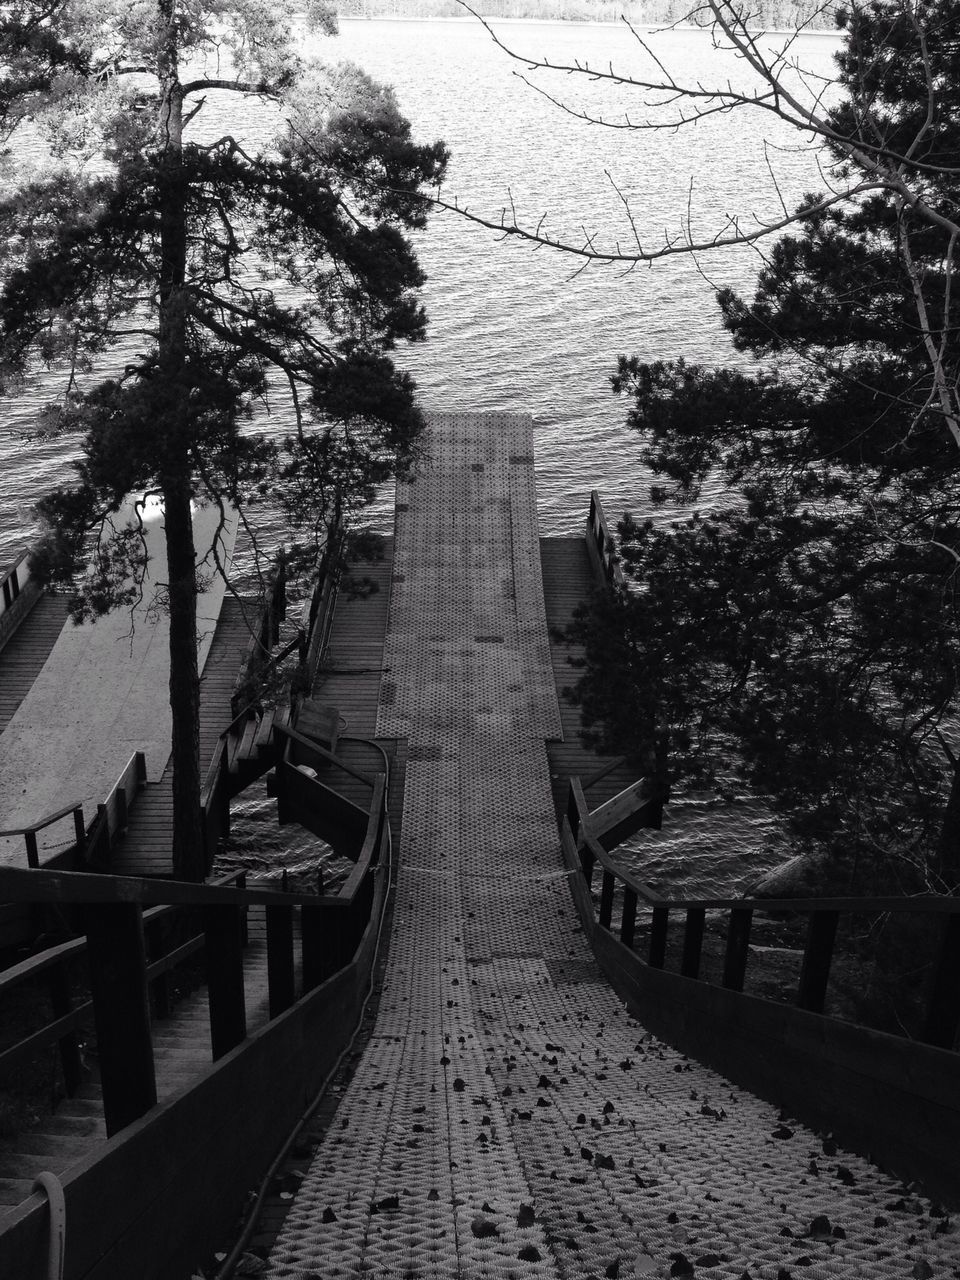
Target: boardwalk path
{"points": [[508, 1118]]}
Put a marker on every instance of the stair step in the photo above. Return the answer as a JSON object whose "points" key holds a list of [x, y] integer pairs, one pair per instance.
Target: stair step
{"points": [[80, 1108], [14, 1191], [65, 1126], [245, 751], [263, 742], [53, 1146]]}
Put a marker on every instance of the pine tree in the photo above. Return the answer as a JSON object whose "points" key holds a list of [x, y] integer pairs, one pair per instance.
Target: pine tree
{"points": [[233, 263], [804, 632]]}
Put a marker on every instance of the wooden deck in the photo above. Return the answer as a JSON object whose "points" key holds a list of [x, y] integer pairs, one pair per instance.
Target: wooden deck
{"points": [[23, 656]]}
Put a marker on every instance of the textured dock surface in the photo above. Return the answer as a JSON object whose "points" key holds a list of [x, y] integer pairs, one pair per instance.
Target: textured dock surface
{"points": [[508, 1119]]}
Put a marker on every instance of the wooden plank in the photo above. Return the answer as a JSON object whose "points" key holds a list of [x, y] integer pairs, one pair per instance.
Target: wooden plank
{"points": [[118, 981]]}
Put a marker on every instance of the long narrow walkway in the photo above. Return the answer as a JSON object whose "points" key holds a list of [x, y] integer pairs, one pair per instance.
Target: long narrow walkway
{"points": [[508, 1119]]}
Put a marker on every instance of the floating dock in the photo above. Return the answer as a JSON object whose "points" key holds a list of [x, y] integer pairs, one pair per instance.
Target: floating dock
{"points": [[508, 1117]]}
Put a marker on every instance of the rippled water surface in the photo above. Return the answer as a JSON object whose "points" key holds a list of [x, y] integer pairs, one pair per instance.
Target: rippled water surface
{"points": [[517, 330]]}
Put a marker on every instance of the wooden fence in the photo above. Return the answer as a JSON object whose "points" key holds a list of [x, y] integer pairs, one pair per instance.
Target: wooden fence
{"points": [[883, 1094], [161, 1162]]}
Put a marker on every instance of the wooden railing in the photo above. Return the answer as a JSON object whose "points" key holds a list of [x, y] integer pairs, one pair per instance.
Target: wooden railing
{"points": [[318, 612], [622, 894], [111, 820], [251, 724], [265, 635], [603, 549], [29, 833], [127, 962], [13, 580]]}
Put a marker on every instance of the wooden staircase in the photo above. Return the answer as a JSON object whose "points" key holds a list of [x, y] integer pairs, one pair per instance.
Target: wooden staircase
{"points": [[74, 1128]]}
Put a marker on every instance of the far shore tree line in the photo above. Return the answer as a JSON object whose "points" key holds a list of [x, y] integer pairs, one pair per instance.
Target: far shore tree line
{"points": [[784, 15]]}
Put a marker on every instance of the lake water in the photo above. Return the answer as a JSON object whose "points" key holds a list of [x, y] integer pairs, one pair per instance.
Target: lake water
{"points": [[517, 330]]}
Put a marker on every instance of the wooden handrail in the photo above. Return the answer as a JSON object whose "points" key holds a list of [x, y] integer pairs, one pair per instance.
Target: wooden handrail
{"points": [[366, 778], [34, 827], [942, 1017], [582, 834], [371, 842], [603, 542], [940, 904], [19, 884]]}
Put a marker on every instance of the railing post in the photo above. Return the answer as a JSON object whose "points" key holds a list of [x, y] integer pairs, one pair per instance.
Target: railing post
{"points": [[223, 934], [573, 812], [33, 851], [943, 1005], [738, 943], [118, 981], [587, 863], [606, 898], [80, 832], [317, 945], [657, 957], [160, 987], [693, 942], [817, 955], [61, 1003], [628, 918], [244, 913], [281, 981]]}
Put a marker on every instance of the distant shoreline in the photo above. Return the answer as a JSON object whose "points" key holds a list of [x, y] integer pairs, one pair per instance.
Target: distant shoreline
{"points": [[573, 22]]}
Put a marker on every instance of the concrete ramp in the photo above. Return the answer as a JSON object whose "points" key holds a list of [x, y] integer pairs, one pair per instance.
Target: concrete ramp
{"points": [[103, 694]]}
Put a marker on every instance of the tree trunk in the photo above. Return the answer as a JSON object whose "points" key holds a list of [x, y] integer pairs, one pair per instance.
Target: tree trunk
{"points": [[188, 853], [176, 481]]}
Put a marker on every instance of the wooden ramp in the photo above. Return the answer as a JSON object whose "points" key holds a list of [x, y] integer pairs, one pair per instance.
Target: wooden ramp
{"points": [[507, 1118]]}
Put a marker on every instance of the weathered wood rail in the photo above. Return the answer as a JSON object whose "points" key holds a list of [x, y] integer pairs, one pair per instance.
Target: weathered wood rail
{"points": [[18, 591], [887, 1095], [601, 544], [218, 1132], [622, 893]]}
